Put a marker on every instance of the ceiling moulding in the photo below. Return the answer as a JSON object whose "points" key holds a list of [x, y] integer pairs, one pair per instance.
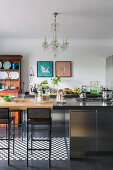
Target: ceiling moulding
{"points": [[72, 42], [91, 42]]}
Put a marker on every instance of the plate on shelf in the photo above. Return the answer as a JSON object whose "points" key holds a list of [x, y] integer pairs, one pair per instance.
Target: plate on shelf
{"points": [[0, 64], [13, 75], [3, 75], [6, 65], [12, 88]]}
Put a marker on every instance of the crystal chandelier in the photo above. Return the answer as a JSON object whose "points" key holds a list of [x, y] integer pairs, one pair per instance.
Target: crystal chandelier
{"points": [[54, 46]]}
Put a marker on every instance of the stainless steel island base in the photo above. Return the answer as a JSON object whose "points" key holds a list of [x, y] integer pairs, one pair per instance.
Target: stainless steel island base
{"points": [[91, 130]]}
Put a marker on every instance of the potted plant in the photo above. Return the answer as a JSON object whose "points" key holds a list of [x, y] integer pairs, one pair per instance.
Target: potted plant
{"points": [[43, 83], [55, 81]]}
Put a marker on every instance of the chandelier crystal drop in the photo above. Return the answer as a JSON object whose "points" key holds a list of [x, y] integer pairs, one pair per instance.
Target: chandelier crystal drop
{"points": [[54, 46]]}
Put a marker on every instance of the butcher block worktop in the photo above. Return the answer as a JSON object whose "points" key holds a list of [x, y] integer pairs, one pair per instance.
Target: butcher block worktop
{"points": [[23, 104]]}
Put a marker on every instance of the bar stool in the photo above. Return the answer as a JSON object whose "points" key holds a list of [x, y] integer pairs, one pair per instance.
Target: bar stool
{"points": [[39, 116], [22, 113], [7, 120], [22, 124]]}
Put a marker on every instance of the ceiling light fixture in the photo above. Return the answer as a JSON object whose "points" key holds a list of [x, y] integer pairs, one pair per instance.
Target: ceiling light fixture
{"points": [[54, 46]]}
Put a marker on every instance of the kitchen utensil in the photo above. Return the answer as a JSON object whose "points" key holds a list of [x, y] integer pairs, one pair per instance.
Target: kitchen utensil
{"points": [[82, 95], [104, 94], [110, 93]]}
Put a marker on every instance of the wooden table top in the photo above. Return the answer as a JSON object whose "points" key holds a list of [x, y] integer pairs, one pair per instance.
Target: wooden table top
{"points": [[23, 104]]}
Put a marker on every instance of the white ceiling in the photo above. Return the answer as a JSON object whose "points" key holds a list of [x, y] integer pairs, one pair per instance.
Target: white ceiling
{"points": [[79, 19]]}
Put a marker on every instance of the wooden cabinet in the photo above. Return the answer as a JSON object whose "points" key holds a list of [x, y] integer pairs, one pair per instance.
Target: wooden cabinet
{"points": [[11, 82], [13, 74]]}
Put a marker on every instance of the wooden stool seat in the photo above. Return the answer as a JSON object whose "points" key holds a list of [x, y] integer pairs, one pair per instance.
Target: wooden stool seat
{"points": [[6, 121]]}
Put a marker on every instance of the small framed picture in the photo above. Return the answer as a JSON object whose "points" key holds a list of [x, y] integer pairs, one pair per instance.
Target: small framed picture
{"points": [[44, 69], [63, 68]]}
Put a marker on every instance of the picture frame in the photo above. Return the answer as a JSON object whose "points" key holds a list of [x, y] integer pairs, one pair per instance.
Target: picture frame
{"points": [[63, 69], [44, 69]]}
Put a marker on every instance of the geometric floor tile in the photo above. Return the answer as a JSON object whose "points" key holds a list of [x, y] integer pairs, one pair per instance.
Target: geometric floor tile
{"points": [[58, 152]]}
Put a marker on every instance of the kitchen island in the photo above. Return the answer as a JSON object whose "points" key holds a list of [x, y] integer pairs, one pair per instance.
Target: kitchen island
{"points": [[90, 126]]}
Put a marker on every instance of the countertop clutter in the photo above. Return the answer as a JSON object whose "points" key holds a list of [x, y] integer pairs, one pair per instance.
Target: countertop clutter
{"points": [[72, 103], [53, 103]]}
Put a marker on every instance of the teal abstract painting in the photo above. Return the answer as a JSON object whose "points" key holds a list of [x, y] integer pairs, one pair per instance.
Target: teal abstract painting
{"points": [[44, 68]]}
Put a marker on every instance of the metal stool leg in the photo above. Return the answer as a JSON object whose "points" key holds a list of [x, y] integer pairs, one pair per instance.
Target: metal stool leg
{"points": [[50, 144], [6, 130], [27, 141], [31, 137], [22, 124], [13, 134], [9, 126]]}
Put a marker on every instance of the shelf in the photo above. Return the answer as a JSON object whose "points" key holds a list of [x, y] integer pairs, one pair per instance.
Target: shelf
{"points": [[8, 79], [9, 69], [6, 90]]}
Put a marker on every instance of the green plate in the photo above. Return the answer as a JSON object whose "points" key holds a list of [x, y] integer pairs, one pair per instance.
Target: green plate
{"points": [[7, 65]]}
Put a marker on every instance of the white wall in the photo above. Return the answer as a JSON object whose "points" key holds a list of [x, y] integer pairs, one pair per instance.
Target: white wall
{"points": [[88, 61]]}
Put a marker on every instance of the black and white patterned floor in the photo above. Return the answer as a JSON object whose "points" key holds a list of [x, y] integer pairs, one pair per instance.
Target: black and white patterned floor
{"points": [[59, 149]]}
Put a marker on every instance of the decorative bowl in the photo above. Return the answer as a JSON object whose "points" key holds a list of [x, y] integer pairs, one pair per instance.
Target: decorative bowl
{"points": [[6, 99], [11, 98]]}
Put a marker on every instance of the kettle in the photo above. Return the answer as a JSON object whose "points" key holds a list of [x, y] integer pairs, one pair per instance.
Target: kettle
{"points": [[110, 94], [105, 94], [83, 95]]}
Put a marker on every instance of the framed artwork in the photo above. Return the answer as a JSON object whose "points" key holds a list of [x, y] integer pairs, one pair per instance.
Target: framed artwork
{"points": [[44, 69], [63, 68]]}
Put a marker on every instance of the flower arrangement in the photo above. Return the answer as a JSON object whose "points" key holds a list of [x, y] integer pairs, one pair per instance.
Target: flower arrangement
{"points": [[73, 92]]}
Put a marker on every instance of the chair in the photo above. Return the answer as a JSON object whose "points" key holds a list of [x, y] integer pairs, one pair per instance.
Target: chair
{"points": [[7, 120], [38, 116]]}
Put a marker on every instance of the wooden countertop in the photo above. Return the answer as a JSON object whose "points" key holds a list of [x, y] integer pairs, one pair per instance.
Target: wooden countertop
{"points": [[23, 104]]}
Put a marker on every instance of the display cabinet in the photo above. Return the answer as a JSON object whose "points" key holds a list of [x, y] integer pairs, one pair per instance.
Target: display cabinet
{"points": [[10, 72], [10, 78]]}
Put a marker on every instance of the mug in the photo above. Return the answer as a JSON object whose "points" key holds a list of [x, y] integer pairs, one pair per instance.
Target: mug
{"points": [[14, 65], [0, 85]]}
